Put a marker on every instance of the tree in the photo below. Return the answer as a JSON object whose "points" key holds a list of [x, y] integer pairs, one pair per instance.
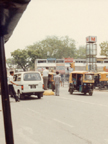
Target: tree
{"points": [[57, 47], [33, 54], [21, 58], [81, 52], [104, 48], [10, 62]]}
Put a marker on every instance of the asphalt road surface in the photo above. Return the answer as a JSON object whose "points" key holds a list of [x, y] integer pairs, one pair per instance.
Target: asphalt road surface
{"points": [[64, 119]]}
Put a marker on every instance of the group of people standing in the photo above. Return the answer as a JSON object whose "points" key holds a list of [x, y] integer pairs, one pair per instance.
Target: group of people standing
{"points": [[57, 80]]}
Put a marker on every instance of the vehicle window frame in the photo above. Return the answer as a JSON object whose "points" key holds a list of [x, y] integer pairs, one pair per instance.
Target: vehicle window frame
{"points": [[15, 78], [89, 79], [18, 76]]}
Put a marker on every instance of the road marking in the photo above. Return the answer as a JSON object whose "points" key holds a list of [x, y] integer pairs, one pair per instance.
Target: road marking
{"points": [[22, 133], [83, 102], [34, 111], [51, 118], [63, 123]]}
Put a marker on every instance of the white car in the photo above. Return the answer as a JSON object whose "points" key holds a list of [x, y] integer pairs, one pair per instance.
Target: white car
{"points": [[30, 83]]}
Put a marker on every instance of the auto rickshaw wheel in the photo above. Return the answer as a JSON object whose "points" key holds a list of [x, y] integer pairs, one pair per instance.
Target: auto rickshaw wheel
{"points": [[90, 93], [84, 93], [71, 91]]}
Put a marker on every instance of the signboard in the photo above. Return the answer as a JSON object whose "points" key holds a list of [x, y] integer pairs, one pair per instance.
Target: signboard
{"points": [[51, 69], [100, 69], [60, 67], [68, 60], [91, 39]]}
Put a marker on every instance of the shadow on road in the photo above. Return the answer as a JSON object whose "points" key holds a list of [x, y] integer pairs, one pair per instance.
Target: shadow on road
{"points": [[30, 98], [80, 94], [27, 98]]}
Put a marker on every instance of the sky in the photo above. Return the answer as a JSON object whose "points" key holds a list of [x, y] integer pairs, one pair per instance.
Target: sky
{"points": [[74, 18]]}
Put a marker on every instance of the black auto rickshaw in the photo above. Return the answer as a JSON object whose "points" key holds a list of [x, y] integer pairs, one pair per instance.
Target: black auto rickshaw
{"points": [[81, 81], [101, 80], [51, 81]]}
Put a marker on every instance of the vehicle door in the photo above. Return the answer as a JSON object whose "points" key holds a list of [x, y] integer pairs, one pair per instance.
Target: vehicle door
{"points": [[32, 82]]}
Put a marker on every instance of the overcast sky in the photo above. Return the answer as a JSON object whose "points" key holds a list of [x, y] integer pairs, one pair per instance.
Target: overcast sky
{"points": [[74, 18]]}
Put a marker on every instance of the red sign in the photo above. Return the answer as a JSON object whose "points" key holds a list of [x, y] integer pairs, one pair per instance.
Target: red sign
{"points": [[68, 60], [91, 39]]}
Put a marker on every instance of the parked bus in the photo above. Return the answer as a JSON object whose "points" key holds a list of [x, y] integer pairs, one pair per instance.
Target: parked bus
{"points": [[53, 64]]}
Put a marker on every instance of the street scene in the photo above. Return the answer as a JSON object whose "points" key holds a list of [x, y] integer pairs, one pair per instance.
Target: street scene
{"points": [[53, 72], [60, 119]]}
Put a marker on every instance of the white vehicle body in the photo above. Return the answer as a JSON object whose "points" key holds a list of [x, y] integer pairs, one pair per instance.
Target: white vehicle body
{"points": [[30, 83]]}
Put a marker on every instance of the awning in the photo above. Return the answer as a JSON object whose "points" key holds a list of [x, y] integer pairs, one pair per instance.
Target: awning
{"points": [[10, 13]]}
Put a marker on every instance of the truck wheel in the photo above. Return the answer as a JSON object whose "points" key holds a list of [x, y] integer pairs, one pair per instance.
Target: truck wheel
{"points": [[84, 93], [40, 95]]}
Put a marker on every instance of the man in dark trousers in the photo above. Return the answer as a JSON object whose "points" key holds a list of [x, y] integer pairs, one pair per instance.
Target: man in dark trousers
{"points": [[57, 81], [11, 88], [45, 77]]}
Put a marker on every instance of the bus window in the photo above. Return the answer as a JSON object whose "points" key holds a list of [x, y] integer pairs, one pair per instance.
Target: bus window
{"points": [[41, 61], [60, 61]]}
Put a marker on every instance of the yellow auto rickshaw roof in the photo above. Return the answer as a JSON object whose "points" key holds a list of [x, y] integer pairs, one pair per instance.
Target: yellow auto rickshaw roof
{"points": [[102, 73], [52, 73], [82, 72]]}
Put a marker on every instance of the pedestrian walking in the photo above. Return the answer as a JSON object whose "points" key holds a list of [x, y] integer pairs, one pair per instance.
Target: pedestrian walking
{"points": [[45, 78], [11, 88], [57, 81], [62, 79]]}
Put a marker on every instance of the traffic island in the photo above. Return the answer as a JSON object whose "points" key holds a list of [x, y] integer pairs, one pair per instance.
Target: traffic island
{"points": [[48, 92]]}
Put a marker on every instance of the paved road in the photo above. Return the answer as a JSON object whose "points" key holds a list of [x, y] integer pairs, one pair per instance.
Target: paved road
{"points": [[65, 119]]}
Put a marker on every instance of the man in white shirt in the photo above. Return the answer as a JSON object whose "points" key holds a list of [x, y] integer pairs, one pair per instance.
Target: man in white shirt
{"points": [[45, 77], [10, 84]]}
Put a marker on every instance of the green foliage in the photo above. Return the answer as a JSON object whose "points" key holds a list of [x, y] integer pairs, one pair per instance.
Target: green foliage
{"points": [[104, 48], [21, 58], [81, 52], [57, 47], [10, 62], [51, 47]]}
